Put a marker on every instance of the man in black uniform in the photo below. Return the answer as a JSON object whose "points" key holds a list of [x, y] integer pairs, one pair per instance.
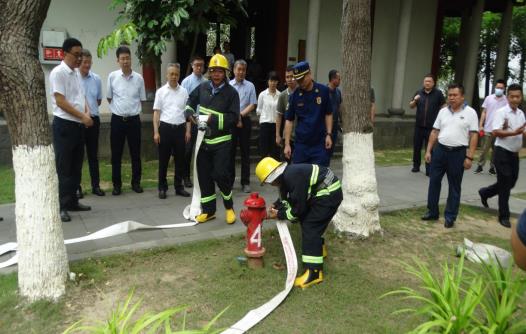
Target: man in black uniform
{"points": [[309, 194], [220, 102], [428, 101]]}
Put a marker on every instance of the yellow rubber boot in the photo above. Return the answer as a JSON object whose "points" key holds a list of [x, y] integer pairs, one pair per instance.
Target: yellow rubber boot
{"points": [[204, 217], [230, 216], [309, 277], [325, 253]]}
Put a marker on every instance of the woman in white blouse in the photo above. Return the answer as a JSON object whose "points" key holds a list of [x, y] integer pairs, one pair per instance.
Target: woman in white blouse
{"points": [[266, 110]]}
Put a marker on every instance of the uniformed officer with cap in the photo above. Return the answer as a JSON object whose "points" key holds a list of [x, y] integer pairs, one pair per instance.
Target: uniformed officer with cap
{"points": [[311, 107]]}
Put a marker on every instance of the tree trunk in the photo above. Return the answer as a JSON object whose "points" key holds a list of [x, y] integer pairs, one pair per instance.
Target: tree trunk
{"points": [[487, 69], [358, 215], [42, 262], [522, 68]]}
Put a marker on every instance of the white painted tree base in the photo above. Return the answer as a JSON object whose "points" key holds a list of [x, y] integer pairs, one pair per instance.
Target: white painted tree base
{"points": [[42, 259], [358, 216]]}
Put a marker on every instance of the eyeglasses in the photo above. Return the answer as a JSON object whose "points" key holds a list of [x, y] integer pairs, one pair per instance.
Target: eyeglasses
{"points": [[76, 54]]}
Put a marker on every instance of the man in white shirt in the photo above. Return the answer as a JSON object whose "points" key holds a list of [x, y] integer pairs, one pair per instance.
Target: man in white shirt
{"points": [[171, 130], [267, 110], [70, 117], [455, 129], [125, 93], [491, 104], [508, 127], [190, 83]]}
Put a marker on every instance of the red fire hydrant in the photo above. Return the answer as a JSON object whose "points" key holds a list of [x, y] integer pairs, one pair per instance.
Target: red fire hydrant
{"points": [[253, 217]]}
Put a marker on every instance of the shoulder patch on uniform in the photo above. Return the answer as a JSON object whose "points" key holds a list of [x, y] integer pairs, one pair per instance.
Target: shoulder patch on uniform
{"points": [[318, 100]]}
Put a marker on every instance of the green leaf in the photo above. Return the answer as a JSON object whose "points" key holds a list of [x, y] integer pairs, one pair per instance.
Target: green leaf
{"points": [[177, 20]]}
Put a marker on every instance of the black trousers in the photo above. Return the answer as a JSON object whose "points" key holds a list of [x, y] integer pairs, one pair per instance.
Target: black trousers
{"points": [[92, 151], [172, 143], [314, 224], [213, 168], [267, 141], [507, 166], [122, 129], [189, 150], [68, 140], [420, 138], [241, 136]]}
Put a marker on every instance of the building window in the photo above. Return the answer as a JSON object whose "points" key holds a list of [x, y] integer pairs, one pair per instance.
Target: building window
{"points": [[252, 42], [215, 37]]}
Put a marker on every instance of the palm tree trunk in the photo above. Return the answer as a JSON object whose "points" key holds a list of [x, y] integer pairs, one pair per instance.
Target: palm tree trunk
{"points": [[42, 259], [358, 213]]}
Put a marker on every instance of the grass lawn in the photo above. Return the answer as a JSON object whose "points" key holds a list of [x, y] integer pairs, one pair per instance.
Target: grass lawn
{"points": [[206, 277]]}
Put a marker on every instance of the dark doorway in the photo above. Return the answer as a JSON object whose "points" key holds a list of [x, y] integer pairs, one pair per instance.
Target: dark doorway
{"points": [[261, 39]]}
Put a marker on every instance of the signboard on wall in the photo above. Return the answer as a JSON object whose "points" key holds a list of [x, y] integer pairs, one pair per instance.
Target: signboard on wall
{"points": [[52, 53], [51, 46]]}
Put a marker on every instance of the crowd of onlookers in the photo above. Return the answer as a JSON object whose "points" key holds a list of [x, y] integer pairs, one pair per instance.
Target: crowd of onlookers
{"points": [[299, 124]]}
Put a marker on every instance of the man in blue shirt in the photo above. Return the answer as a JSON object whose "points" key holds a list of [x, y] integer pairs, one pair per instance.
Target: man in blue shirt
{"points": [[241, 134], [92, 87], [310, 105], [336, 101], [190, 83]]}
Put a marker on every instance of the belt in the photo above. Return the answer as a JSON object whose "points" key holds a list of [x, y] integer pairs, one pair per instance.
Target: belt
{"points": [[500, 148], [451, 148], [126, 118], [173, 126]]}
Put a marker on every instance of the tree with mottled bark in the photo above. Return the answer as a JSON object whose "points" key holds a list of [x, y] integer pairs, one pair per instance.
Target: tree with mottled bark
{"points": [[357, 216], [42, 259]]}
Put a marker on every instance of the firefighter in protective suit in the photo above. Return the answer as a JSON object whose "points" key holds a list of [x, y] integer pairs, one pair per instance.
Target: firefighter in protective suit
{"points": [[309, 194], [220, 102]]}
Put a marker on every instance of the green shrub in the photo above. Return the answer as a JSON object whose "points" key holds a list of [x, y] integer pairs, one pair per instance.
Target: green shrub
{"points": [[464, 301], [121, 322]]}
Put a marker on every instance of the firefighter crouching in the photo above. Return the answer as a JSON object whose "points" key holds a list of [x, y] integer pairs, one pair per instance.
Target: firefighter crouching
{"points": [[220, 101], [310, 195]]}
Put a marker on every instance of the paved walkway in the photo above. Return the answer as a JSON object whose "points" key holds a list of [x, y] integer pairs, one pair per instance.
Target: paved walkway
{"points": [[398, 189]]}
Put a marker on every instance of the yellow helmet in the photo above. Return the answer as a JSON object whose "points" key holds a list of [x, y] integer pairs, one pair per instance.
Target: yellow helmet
{"points": [[218, 60], [268, 169]]}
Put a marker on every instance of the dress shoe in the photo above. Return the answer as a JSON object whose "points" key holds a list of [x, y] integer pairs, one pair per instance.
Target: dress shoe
{"points": [[116, 191], [64, 216], [79, 193], [162, 194], [97, 191], [415, 169], [483, 200], [182, 192], [449, 223], [245, 188], [79, 207], [429, 216], [187, 182], [505, 222], [137, 188], [478, 170], [492, 171]]}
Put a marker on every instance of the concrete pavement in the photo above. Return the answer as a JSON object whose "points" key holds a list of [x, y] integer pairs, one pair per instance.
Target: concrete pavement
{"points": [[398, 189]]}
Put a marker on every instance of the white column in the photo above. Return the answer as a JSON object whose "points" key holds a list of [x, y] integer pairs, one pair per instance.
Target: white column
{"points": [[313, 31], [169, 56], [504, 42], [470, 68], [401, 57]]}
